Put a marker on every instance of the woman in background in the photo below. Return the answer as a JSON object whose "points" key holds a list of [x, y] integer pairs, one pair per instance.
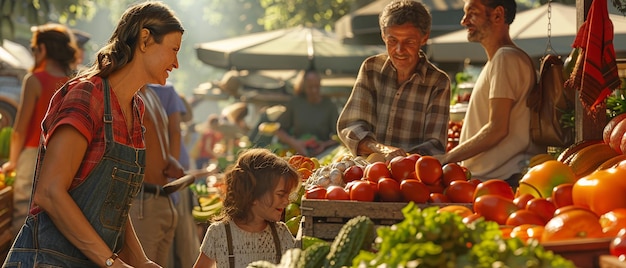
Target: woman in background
{"points": [[310, 120], [54, 51]]}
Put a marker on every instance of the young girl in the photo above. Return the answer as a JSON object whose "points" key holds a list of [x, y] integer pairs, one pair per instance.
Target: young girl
{"points": [[249, 228]]}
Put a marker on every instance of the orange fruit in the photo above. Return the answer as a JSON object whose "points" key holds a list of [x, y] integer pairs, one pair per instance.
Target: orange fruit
{"points": [[527, 231], [299, 161], [305, 173], [572, 224], [462, 211]]}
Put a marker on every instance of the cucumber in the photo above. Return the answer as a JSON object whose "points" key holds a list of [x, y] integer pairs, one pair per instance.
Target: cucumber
{"points": [[358, 233]]}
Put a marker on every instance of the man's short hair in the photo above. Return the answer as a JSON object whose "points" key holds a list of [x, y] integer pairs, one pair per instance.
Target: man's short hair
{"points": [[405, 11], [510, 8]]}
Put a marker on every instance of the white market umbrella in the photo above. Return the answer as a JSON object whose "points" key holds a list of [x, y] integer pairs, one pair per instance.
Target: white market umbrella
{"points": [[287, 49], [361, 26], [529, 31]]}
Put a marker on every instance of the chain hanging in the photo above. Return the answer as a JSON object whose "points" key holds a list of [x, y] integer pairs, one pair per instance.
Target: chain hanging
{"points": [[549, 48]]}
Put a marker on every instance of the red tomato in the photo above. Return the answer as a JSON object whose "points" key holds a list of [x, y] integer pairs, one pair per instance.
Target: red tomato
{"points": [[475, 181], [428, 170], [334, 192], [402, 167], [414, 190], [452, 172], [543, 207], [617, 247], [389, 190], [352, 173], [562, 195], [471, 218], [438, 198], [460, 192], [494, 207], [468, 173], [613, 221], [497, 187], [565, 209], [362, 190], [524, 216], [414, 157], [435, 188], [375, 171], [522, 199], [315, 193]]}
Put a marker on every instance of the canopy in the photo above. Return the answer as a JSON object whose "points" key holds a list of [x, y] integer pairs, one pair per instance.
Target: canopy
{"points": [[361, 26], [529, 31], [16, 56], [287, 49]]}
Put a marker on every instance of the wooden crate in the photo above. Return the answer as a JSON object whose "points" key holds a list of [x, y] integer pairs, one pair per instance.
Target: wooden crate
{"points": [[584, 252], [6, 216], [324, 218]]}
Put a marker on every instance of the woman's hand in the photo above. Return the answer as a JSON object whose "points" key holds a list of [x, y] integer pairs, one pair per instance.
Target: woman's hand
{"points": [[8, 167]]}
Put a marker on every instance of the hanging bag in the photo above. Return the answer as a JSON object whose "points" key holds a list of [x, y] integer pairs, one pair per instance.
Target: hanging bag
{"points": [[550, 102]]}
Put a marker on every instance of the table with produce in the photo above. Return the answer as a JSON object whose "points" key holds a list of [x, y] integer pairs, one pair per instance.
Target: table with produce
{"points": [[569, 211]]}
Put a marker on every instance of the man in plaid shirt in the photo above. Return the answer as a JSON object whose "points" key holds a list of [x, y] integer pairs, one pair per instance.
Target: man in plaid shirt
{"points": [[400, 102]]}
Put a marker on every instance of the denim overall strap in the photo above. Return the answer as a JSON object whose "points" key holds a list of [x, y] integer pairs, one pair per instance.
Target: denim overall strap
{"points": [[104, 197]]}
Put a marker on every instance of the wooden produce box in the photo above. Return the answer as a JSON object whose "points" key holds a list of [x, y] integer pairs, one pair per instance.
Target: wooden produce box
{"points": [[324, 218], [584, 252], [6, 216]]}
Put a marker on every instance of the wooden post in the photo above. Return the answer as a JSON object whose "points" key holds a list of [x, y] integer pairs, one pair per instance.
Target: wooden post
{"points": [[588, 126]]}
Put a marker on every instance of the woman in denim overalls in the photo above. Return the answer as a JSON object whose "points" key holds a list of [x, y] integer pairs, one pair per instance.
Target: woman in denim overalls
{"points": [[91, 160]]}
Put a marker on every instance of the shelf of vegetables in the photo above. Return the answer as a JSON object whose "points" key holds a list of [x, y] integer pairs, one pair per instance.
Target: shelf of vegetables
{"points": [[324, 218], [559, 216]]}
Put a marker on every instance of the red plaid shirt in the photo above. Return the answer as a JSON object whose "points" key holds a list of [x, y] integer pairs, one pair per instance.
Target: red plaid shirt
{"points": [[81, 105]]}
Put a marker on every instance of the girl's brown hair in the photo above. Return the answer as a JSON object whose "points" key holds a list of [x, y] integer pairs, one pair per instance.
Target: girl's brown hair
{"points": [[59, 42], [155, 16], [256, 172]]}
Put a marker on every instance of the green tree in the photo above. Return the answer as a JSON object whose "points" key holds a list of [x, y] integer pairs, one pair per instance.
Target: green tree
{"points": [[16, 16]]}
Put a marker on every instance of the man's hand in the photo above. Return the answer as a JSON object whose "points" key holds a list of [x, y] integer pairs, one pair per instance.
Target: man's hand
{"points": [[388, 151], [442, 158]]}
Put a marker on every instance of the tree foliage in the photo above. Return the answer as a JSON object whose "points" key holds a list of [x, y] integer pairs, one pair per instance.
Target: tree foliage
{"points": [[17, 14]]}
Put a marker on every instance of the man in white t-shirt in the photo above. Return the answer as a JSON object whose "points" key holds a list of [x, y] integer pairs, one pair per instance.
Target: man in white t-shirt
{"points": [[495, 140]]}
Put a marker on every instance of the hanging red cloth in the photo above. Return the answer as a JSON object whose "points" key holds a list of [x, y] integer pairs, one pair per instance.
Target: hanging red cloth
{"points": [[595, 73]]}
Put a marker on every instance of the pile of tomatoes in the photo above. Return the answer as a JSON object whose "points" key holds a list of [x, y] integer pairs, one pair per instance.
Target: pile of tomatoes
{"points": [[416, 178], [454, 132]]}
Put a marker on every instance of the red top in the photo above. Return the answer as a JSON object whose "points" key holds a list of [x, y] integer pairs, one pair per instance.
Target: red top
{"points": [[206, 150], [49, 84], [81, 106]]}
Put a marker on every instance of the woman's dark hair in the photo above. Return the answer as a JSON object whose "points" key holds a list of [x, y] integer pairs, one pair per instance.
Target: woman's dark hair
{"points": [[59, 42], [256, 172], [405, 11], [158, 18]]}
